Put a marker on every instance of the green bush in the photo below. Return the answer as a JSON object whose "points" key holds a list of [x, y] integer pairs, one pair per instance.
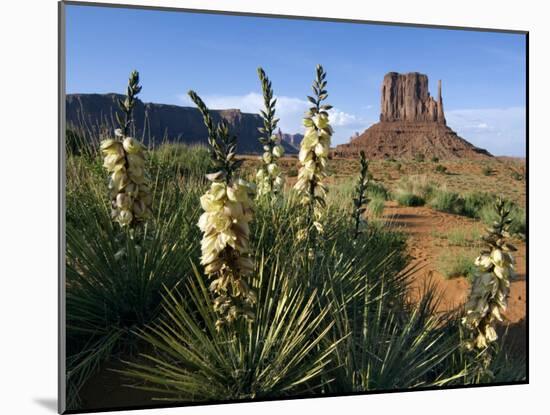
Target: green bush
{"points": [[474, 202], [517, 176], [446, 201], [409, 199], [457, 264], [376, 190], [413, 190], [441, 169], [292, 172], [376, 207]]}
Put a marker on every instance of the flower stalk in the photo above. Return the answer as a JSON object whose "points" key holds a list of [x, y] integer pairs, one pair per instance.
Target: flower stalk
{"points": [[124, 160], [313, 157], [360, 201], [268, 177], [490, 288], [225, 222]]}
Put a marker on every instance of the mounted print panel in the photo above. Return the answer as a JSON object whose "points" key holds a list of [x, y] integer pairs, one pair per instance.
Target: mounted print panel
{"points": [[273, 207]]}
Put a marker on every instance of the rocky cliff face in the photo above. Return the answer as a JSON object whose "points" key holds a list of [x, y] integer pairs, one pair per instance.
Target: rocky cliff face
{"points": [[155, 123], [405, 97], [411, 123], [292, 139]]}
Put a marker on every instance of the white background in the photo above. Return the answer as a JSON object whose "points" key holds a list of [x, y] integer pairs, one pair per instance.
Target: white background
{"points": [[28, 204]]}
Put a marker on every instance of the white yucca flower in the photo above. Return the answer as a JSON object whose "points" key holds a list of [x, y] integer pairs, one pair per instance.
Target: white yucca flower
{"points": [[491, 285], [128, 185], [268, 177], [124, 159], [227, 207], [313, 155]]}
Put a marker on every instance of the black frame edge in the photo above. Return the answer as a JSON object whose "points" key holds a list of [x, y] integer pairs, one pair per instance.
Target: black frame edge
{"points": [[61, 330]]}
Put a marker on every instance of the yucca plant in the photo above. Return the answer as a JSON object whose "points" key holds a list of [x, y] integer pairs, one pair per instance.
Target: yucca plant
{"points": [[225, 222], [313, 157], [290, 347], [393, 344], [283, 353], [124, 159], [268, 177], [108, 294]]}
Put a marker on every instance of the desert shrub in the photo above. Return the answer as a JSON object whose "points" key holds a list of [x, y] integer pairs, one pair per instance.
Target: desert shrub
{"points": [[435, 159], [463, 237], [419, 157], [457, 264], [474, 202], [376, 190], [487, 171], [376, 207], [341, 193], [413, 190], [441, 169], [517, 176], [446, 201], [409, 199], [292, 172]]}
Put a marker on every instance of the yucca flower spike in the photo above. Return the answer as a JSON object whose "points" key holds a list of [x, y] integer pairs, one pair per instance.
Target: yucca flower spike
{"points": [[124, 159], [491, 285], [268, 177], [225, 245], [313, 155], [360, 201]]}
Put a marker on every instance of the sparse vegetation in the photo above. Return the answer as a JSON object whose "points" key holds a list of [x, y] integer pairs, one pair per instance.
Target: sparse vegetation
{"points": [[456, 264], [441, 169], [517, 176], [413, 191]]}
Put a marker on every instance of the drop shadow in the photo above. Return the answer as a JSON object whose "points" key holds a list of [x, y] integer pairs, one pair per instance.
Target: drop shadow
{"points": [[48, 403]]}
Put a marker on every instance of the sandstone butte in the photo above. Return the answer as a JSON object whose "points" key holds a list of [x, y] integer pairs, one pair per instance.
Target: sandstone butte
{"points": [[412, 124]]}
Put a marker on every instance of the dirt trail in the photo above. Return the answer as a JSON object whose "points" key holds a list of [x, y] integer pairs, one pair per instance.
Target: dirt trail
{"points": [[423, 224]]}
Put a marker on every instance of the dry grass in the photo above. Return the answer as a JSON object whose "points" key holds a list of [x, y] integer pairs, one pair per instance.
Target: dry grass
{"points": [[463, 176]]}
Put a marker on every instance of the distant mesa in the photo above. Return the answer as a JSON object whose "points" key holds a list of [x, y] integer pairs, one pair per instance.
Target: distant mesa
{"points": [[293, 140], [156, 123], [411, 123]]}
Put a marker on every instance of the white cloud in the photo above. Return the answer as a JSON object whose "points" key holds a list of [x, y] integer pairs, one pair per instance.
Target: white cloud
{"points": [[290, 111], [499, 130], [341, 119]]}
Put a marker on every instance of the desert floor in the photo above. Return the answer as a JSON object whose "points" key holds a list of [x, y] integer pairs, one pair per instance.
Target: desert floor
{"points": [[436, 236]]}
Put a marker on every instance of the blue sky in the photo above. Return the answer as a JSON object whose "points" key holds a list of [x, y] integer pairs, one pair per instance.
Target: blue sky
{"points": [[483, 73]]}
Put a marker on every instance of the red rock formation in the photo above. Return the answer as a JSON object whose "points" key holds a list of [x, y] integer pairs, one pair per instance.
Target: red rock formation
{"points": [[411, 123]]}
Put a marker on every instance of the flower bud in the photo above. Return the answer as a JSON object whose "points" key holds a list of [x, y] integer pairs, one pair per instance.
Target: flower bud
{"points": [[278, 151]]}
